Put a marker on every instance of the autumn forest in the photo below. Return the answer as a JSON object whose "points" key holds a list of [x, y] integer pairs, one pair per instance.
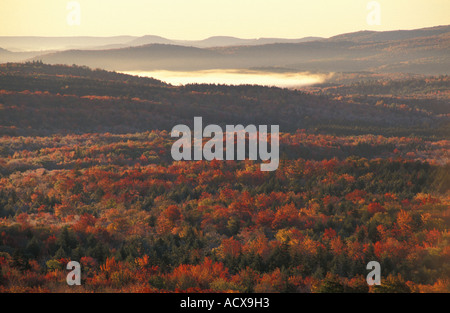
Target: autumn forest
{"points": [[86, 174]]}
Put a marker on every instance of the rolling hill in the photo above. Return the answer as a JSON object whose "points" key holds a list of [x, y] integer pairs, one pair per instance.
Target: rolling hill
{"points": [[36, 43], [72, 99], [421, 51]]}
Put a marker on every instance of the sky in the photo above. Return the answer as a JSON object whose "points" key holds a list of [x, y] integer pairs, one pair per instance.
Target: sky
{"points": [[199, 19]]}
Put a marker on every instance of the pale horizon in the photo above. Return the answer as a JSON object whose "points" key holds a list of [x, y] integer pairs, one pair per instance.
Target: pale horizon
{"points": [[201, 19], [220, 35]]}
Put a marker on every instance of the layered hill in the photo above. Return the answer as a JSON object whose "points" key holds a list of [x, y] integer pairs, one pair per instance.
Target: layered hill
{"points": [[423, 51], [37, 43], [38, 99]]}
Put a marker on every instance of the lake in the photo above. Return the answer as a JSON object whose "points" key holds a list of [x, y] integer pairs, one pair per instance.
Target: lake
{"points": [[235, 77]]}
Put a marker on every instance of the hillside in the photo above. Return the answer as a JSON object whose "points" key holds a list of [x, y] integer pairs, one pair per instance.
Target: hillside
{"points": [[79, 100], [420, 51], [43, 44], [373, 36], [87, 174]]}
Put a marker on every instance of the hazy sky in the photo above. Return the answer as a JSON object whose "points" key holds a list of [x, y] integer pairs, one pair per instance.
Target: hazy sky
{"points": [[198, 19]]}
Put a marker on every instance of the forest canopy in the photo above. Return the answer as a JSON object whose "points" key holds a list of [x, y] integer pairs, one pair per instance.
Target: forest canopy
{"points": [[86, 175]]}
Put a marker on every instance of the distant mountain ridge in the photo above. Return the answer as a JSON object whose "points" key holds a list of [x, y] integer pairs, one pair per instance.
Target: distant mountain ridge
{"points": [[376, 36], [33, 43], [421, 51], [38, 43]]}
